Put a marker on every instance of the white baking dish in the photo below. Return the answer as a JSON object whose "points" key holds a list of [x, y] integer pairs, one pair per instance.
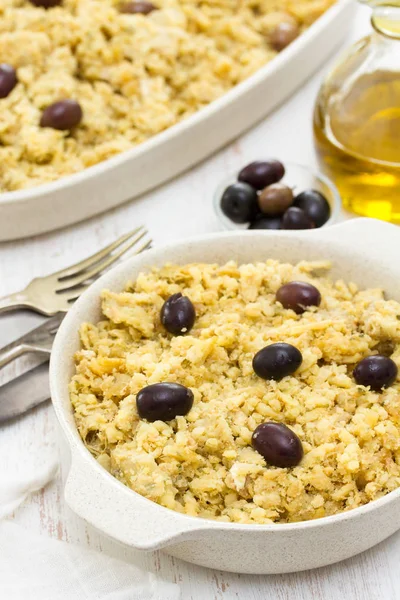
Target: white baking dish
{"points": [[98, 188], [362, 250]]}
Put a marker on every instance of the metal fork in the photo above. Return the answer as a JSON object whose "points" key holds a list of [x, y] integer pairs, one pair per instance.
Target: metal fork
{"points": [[56, 292], [38, 341]]}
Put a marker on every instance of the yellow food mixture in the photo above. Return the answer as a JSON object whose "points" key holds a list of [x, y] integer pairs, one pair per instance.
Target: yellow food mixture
{"points": [[134, 75], [203, 464]]}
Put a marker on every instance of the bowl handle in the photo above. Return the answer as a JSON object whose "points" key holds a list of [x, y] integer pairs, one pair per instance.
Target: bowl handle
{"points": [[121, 513], [361, 233]]}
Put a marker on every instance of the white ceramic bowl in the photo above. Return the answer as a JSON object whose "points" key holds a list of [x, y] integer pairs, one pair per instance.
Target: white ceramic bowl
{"points": [[122, 177], [362, 250], [298, 177]]}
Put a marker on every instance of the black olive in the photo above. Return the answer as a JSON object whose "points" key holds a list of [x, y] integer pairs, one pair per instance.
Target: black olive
{"points": [[62, 115], [315, 205], [163, 401], [266, 223], [295, 218], [239, 202], [46, 3], [138, 7], [278, 444], [298, 296], [8, 80], [260, 173], [277, 361], [178, 314], [377, 372]]}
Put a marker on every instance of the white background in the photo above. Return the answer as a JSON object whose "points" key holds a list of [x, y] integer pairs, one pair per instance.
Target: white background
{"points": [[180, 209]]}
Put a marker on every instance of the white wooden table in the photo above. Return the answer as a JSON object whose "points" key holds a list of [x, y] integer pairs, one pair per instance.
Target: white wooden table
{"points": [[180, 209]]}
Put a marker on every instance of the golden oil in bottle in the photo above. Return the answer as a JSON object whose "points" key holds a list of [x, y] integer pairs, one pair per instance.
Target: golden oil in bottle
{"points": [[357, 126]]}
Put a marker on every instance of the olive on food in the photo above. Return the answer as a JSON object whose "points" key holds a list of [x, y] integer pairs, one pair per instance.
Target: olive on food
{"points": [[178, 314], [315, 205], [139, 7], [239, 202], [283, 35], [62, 115], [277, 361], [376, 371], [275, 199], [260, 173], [46, 3], [278, 444], [298, 296], [295, 218], [266, 223], [163, 401], [8, 79]]}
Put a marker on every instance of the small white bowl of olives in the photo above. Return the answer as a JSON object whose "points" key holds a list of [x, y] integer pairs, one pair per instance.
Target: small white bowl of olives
{"points": [[268, 194]]}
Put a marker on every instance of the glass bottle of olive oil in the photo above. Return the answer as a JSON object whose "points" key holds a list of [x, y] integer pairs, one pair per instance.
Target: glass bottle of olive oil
{"points": [[357, 119]]}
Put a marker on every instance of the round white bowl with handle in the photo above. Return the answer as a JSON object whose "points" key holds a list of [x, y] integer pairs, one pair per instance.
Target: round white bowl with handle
{"points": [[361, 250]]}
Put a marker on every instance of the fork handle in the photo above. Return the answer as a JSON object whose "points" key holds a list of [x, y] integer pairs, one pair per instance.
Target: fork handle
{"points": [[11, 353], [14, 302]]}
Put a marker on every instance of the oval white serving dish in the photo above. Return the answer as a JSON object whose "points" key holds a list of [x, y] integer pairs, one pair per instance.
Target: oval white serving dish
{"points": [[121, 178], [362, 250]]}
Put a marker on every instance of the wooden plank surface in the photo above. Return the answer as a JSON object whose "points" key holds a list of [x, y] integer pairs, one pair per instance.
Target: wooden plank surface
{"points": [[181, 209]]}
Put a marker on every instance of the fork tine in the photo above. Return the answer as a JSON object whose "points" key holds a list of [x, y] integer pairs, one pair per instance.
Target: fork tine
{"points": [[144, 247], [73, 294], [68, 284], [92, 260]]}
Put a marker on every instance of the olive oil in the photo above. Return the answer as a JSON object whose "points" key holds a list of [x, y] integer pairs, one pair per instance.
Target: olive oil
{"points": [[357, 136]]}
